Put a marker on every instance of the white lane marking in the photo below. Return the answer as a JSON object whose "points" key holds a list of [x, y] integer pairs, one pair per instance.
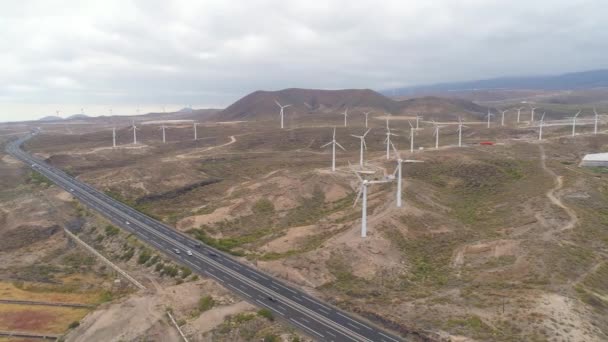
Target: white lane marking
{"points": [[286, 288], [352, 320], [305, 327], [324, 311], [354, 326], [244, 293], [390, 338], [332, 334], [319, 304], [274, 287]]}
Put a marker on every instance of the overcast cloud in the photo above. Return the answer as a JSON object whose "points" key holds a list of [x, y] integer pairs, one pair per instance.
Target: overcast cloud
{"points": [[97, 55]]}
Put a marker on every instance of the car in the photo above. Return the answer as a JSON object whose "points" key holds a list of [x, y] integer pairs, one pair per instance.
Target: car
{"points": [[189, 252], [271, 298], [212, 253], [176, 251], [197, 245], [33, 165], [71, 190], [127, 222]]}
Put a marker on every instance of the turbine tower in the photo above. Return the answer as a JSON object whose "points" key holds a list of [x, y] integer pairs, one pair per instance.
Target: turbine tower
{"points": [[436, 134], [460, 126], [502, 120], [519, 113], [412, 132], [398, 174], [334, 143], [489, 116], [113, 137], [195, 131], [135, 129], [574, 123], [595, 121], [363, 195], [363, 145], [532, 114], [281, 113], [388, 141], [418, 117], [542, 123], [345, 116], [366, 115], [163, 129]]}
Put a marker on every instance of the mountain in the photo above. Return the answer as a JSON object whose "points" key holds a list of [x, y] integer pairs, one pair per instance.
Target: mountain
{"points": [[569, 81], [51, 118], [261, 105], [77, 117]]}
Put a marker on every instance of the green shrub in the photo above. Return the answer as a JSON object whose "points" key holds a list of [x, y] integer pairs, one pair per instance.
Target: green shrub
{"points": [[144, 256], [73, 325], [263, 207], [111, 230], [266, 314], [186, 272], [205, 303]]}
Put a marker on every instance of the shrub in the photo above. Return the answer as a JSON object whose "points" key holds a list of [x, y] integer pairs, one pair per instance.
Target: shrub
{"points": [[266, 314], [144, 256], [111, 230], [186, 272], [73, 325], [205, 303], [263, 207]]}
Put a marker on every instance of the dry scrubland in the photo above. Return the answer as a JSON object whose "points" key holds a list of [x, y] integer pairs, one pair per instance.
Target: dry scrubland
{"points": [[494, 243]]}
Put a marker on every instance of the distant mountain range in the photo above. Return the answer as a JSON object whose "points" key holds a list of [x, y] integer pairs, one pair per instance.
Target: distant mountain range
{"points": [[569, 81], [261, 104]]}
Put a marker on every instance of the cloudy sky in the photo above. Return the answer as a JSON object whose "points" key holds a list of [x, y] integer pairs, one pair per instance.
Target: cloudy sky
{"points": [[96, 55]]}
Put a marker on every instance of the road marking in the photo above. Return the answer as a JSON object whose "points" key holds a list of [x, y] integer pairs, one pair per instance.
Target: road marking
{"points": [[305, 327], [315, 302], [324, 311], [390, 338], [286, 288], [246, 294], [356, 327], [352, 320]]}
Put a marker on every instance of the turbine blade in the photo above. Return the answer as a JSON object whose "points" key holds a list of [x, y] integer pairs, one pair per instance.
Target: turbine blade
{"points": [[364, 144], [327, 144], [278, 104], [340, 146], [358, 195], [287, 106], [369, 129]]}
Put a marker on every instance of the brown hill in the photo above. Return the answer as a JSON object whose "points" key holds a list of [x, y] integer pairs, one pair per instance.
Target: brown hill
{"points": [[260, 105]]}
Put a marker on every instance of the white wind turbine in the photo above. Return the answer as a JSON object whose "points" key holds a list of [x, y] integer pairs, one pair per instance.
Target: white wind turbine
{"points": [[366, 115], [363, 145], [195, 131], [345, 116], [363, 194], [418, 117], [164, 136], [489, 116], [412, 133], [436, 133], [460, 126], [282, 113], [574, 123], [334, 143], [532, 114], [135, 129], [519, 113], [595, 121], [113, 137], [542, 123], [398, 174], [388, 141], [502, 120]]}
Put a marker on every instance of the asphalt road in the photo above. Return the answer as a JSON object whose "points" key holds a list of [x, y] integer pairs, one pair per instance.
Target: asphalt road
{"points": [[318, 320]]}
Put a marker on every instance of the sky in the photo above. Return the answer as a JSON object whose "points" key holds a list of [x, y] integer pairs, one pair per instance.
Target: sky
{"points": [[121, 56]]}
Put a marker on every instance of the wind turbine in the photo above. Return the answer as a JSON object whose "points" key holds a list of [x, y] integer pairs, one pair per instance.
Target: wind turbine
{"points": [[460, 126], [163, 129], [135, 129], [388, 141], [574, 123], [363, 145], [196, 131], [489, 116], [532, 114], [113, 137], [595, 121], [502, 120], [519, 113], [363, 194], [436, 134], [418, 117], [334, 143], [345, 116], [412, 132], [542, 123], [366, 115], [398, 174], [282, 112]]}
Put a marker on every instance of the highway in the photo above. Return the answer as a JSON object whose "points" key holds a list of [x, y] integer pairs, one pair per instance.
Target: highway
{"points": [[318, 320]]}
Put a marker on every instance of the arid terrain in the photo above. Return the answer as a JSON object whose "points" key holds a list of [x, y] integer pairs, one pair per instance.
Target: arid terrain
{"points": [[507, 242]]}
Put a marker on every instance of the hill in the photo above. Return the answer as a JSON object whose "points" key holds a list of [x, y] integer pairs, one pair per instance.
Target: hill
{"points": [[575, 80], [261, 105], [51, 118], [77, 117]]}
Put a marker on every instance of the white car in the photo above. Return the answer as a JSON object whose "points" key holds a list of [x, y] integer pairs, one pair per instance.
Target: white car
{"points": [[128, 222], [189, 252]]}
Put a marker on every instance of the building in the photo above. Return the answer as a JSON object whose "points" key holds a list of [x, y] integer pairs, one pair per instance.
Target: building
{"points": [[595, 159]]}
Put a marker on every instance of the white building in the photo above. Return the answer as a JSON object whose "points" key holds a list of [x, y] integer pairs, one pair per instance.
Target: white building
{"points": [[595, 159]]}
